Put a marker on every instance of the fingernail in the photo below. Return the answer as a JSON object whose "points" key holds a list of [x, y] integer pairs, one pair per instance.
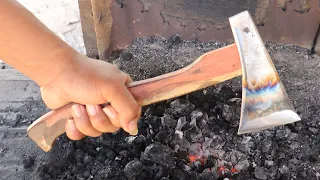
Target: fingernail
{"points": [[91, 110], [71, 125], [110, 112], [133, 129], [76, 110]]}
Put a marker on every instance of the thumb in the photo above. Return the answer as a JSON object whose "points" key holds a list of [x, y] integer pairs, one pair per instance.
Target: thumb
{"points": [[52, 100]]}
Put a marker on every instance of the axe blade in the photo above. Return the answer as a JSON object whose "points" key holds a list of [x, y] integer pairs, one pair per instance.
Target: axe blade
{"points": [[265, 103]]}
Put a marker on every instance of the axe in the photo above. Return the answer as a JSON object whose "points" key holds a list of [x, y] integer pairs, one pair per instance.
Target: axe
{"points": [[265, 103]]}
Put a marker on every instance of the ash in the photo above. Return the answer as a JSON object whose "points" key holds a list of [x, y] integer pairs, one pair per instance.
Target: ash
{"points": [[195, 136]]}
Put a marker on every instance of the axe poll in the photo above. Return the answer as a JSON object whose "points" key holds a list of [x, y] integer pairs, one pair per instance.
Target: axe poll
{"points": [[265, 102]]}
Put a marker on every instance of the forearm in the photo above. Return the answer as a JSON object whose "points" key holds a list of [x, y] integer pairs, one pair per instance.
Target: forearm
{"points": [[30, 47]]}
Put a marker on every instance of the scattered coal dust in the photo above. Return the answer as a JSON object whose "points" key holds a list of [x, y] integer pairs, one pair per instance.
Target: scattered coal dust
{"points": [[195, 136]]}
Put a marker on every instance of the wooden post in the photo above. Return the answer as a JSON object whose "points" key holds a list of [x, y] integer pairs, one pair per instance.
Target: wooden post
{"points": [[89, 34], [96, 22], [103, 24]]}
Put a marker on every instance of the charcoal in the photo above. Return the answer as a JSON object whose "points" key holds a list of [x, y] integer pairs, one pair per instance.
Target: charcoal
{"points": [[268, 163], [53, 172], [91, 150], [109, 154], [181, 122], [88, 159], [80, 144], [293, 136], [313, 130], [169, 121], [211, 162], [163, 172], [199, 166], [193, 134], [315, 158], [106, 140], [2, 135], [267, 142], [11, 118], [195, 149], [174, 40], [260, 173], [164, 178], [229, 114], [217, 142], [208, 174], [200, 118], [160, 154], [179, 174], [283, 133], [283, 168], [206, 143], [101, 159], [126, 56], [242, 165], [86, 174], [182, 107], [71, 149], [196, 114], [123, 154], [182, 153], [78, 156], [182, 142], [28, 162], [133, 168], [165, 136], [143, 175], [246, 145]]}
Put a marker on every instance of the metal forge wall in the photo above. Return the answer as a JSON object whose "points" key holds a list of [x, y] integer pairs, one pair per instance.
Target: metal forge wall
{"points": [[280, 21]]}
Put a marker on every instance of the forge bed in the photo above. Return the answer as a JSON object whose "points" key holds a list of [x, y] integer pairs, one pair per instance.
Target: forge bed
{"points": [[191, 137]]}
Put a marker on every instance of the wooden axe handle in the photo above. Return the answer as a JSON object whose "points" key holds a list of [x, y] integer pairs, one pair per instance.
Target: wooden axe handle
{"points": [[209, 69]]}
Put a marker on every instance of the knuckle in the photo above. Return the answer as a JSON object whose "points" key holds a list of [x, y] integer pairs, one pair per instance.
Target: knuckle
{"points": [[116, 123], [133, 112], [102, 125], [98, 124], [115, 69]]}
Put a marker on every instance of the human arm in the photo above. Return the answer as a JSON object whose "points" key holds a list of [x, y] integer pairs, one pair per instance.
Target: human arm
{"points": [[66, 76]]}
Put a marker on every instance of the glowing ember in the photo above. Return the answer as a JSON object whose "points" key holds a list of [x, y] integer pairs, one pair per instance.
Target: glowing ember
{"points": [[194, 158]]}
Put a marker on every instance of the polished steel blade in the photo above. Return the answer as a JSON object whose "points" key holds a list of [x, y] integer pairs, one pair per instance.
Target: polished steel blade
{"points": [[265, 103]]}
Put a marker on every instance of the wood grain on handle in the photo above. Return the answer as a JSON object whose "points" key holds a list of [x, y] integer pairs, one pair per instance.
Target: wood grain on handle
{"points": [[209, 69]]}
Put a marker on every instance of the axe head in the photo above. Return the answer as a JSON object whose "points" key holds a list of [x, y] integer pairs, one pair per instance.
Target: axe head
{"points": [[265, 103]]}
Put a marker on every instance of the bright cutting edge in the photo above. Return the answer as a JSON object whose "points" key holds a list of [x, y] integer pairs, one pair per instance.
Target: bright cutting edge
{"points": [[265, 103]]}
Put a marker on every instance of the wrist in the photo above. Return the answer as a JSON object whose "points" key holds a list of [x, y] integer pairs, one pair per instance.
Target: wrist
{"points": [[65, 60]]}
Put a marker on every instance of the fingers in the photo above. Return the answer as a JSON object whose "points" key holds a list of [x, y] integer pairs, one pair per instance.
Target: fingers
{"points": [[127, 78], [89, 120], [99, 120], [82, 121], [124, 111], [127, 111], [134, 123], [112, 114], [72, 132]]}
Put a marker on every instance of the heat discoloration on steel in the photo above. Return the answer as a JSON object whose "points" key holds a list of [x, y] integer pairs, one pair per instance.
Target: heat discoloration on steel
{"points": [[265, 102]]}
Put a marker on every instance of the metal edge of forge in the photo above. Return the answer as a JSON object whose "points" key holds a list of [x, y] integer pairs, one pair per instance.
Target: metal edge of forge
{"points": [[144, 18]]}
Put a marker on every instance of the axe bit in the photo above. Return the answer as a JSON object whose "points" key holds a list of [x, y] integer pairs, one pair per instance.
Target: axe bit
{"points": [[271, 109], [265, 103]]}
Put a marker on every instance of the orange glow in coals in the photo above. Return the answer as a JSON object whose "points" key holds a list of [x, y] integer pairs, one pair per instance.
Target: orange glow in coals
{"points": [[194, 158]]}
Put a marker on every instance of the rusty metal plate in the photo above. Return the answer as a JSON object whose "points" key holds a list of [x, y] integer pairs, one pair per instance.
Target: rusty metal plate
{"points": [[280, 21]]}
